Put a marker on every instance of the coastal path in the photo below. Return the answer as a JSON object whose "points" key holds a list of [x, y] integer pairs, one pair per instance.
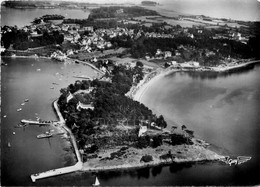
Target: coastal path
{"points": [[88, 64]]}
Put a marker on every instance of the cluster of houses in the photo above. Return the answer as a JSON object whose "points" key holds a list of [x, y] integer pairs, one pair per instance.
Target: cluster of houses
{"points": [[58, 55], [231, 35]]}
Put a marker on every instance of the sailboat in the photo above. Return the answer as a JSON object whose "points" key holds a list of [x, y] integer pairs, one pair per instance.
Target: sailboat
{"points": [[96, 182]]}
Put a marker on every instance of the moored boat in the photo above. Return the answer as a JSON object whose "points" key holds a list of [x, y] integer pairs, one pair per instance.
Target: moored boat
{"points": [[242, 159], [45, 135], [21, 125], [19, 109]]}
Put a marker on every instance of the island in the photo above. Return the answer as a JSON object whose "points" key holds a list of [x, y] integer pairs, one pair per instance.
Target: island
{"points": [[148, 3]]}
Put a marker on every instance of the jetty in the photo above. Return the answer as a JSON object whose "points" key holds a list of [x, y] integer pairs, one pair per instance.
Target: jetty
{"points": [[83, 77], [60, 171], [56, 172], [31, 122]]}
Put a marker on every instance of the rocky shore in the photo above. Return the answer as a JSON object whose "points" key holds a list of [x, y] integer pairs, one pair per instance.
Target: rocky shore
{"points": [[131, 158]]}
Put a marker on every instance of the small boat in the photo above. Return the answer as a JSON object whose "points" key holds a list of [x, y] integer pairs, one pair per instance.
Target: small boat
{"points": [[38, 69], [45, 135], [19, 109], [21, 125], [23, 104], [13, 133], [51, 87], [9, 144], [5, 116], [242, 159], [26, 100], [96, 182]]}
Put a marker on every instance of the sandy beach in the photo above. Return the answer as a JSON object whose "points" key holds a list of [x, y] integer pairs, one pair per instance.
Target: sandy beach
{"points": [[137, 92]]}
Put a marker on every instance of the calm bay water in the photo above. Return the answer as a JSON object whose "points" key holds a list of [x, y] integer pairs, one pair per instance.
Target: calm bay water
{"points": [[223, 110], [22, 17], [246, 10], [22, 79]]}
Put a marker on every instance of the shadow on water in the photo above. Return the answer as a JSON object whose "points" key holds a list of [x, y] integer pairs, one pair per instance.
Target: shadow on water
{"points": [[142, 172], [134, 173], [176, 167], [156, 170], [107, 175]]}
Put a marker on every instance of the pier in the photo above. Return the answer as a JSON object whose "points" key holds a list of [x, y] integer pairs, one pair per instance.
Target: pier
{"points": [[56, 172], [31, 122], [77, 167]]}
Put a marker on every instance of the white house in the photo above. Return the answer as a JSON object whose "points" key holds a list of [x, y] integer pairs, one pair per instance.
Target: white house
{"points": [[120, 11], [167, 54], [69, 97], [142, 130], [84, 106]]}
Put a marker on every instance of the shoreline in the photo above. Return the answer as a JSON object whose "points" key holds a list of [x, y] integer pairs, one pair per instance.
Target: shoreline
{"points": [[66, 60], [191, 154], [34, 57], [137, 91]]}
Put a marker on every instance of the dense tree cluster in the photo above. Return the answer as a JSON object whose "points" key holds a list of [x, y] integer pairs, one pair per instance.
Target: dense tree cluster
{"points": [[46, 18], [22, 40], [149, 141], [221, 47], [111, 12], [146, 158], [111, 107], [179, 139]]}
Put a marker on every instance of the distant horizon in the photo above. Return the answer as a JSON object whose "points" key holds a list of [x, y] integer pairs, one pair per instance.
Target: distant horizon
{"points": [[245, 10]]}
